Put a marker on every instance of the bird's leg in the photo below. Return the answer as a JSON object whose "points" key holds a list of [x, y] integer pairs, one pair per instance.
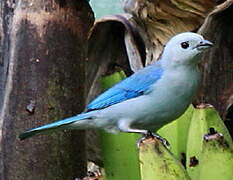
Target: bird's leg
{"points": [[149, 134], [124, 127]]}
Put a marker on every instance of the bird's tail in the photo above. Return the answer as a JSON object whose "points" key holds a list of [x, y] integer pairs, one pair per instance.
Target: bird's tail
{"points": [[62, 124]]}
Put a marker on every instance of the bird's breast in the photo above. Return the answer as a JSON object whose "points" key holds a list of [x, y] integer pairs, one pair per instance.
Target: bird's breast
{"points": [[170, 97]]}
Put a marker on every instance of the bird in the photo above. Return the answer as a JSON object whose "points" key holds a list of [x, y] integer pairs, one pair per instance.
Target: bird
{"points": [[148, 99]]}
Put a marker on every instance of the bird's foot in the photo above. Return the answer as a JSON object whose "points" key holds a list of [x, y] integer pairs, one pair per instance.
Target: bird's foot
{"points": [[150, 135]]}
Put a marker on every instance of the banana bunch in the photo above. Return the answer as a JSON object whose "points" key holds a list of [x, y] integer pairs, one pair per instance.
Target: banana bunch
{"points": [[200, 140]]}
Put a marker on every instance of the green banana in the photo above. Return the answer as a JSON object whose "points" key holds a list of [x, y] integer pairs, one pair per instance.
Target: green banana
{"points": [[121, 160], [216, 159], [156, 162], [110, 80], [176, 133], [205, 118], [120, 156]]}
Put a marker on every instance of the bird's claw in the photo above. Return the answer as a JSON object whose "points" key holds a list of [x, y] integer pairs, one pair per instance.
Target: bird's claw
{"points": [[151, 135]]}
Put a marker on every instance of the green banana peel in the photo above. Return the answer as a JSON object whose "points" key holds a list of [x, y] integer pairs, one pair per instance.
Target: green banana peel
{"points": [[110, 80], [176, 133], [204, 118], [119, 151], [216, 159], [120, 156], [156, 162]]}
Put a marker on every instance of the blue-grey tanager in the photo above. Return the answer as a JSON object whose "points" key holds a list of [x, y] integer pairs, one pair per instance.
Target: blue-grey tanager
{"points": [[147, 100]]}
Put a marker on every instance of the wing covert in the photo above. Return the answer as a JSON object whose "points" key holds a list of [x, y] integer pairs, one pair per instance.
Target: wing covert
{"points": [[131, 87]]}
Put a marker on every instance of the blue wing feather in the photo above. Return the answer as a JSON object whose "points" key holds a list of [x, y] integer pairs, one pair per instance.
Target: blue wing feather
{"points": [[131, 87]]}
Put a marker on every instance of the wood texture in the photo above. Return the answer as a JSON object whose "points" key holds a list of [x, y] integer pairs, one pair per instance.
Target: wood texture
{"points": [[217, 66], [44, 46]]}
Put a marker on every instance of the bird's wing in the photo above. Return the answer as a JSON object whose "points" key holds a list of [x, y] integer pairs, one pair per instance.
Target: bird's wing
{"points": [[133, 86]]}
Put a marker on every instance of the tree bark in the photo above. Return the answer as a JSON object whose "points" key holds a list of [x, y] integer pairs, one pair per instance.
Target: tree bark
{"points": [[217, 66], [44, 45]]}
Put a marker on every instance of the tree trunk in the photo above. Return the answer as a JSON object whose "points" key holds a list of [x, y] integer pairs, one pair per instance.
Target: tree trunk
{"points": [[217, 84], [44, 45]]}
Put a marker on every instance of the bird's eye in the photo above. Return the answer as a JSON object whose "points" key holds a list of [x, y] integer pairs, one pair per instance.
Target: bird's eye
{"points": [[184, 45]]}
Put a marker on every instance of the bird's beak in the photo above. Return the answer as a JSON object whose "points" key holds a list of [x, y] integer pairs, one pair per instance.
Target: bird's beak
{"points": [[204, 44]]}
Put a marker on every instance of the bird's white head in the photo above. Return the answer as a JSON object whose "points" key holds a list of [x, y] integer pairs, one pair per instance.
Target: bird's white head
{"points": [[184, 49]]}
